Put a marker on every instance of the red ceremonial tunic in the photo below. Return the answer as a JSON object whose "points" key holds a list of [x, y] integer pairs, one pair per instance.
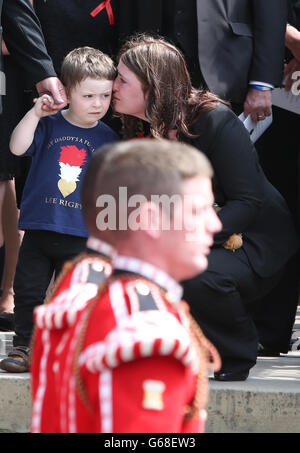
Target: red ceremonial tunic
{"points": [[128, 362], [75, 287]]}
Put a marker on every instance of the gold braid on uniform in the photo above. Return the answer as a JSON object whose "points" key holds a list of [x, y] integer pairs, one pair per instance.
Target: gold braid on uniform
{"points": [[209, 359]]}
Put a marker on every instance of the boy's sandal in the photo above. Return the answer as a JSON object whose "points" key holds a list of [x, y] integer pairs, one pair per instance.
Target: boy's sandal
{"points": [[17, 360]]}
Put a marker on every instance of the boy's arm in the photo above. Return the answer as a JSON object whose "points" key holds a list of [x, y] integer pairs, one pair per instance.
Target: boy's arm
{"points": [[23, 134]]}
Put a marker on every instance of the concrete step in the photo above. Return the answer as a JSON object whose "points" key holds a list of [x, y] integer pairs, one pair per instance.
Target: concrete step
{"points": [[15, 402], [267, 402]]}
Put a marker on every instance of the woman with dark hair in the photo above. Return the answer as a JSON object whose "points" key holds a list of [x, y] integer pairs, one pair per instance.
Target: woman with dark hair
{"points": [[153, 85]]}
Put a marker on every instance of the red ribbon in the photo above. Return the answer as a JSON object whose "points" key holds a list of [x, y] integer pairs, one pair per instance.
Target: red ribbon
{"points": [[106, 4]]}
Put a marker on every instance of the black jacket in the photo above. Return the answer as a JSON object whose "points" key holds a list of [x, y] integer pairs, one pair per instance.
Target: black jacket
{"points": [[294, 13], [69, 24], [251, 205], [24, 39]]}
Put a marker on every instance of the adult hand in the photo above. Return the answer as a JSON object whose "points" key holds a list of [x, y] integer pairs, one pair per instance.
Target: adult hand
{"points": [[292, 67], [53, 87], [258, 104], [292, 41]]}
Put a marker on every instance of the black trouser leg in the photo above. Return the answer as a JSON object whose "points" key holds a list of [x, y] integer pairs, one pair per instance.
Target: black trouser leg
{"points": [[33, 275], [219, 302], [41, 253], [225, 322], [274, 314]]}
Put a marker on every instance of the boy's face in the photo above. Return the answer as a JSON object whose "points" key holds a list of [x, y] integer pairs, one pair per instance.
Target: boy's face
{"points": [[89, 101]]}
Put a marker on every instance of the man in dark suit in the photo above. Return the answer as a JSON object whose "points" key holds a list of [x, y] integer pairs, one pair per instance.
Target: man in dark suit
{"points": [[241, 50], [278, 150], [233, 40], [24, 39]]}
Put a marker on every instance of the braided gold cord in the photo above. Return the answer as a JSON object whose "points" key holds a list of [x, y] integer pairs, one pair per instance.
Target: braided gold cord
{"points": [[209, 359]]}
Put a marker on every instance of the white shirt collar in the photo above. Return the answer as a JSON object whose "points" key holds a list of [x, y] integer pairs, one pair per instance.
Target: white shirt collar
{"points": [[151, 272], [101, 247]]}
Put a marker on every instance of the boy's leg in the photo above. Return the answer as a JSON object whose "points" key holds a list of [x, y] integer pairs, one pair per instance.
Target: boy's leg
{"points": [[33, 274], [68, 248]]}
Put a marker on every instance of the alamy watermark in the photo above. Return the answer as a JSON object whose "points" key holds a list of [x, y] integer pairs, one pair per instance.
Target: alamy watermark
{"points": [[176, 212], [295, 89]]}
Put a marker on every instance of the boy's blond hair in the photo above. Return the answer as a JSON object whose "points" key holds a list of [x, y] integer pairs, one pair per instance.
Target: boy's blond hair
{"points": [[84, 62]]}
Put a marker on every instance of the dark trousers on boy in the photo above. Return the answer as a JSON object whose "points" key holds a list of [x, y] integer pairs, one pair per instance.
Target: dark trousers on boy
{"points": [[42, 253]]}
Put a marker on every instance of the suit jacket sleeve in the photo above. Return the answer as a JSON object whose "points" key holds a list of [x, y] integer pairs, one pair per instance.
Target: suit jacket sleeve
{"points": [[24, 39], [269, 24], [238, 178], [294, 13]]}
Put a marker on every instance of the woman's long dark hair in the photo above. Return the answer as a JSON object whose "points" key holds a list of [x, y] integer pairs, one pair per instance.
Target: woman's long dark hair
{"points": [[172, 103]]}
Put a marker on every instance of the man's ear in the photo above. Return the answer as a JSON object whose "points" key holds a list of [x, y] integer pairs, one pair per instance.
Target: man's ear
{"points": [[150, 219]]}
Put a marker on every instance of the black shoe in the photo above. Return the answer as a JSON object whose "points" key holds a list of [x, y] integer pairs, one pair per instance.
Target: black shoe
{"points": [[7, 322], [232, 376], [265, 352]]}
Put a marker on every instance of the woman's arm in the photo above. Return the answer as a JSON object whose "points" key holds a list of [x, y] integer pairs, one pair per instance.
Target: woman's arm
{"points": [[237, 171]]}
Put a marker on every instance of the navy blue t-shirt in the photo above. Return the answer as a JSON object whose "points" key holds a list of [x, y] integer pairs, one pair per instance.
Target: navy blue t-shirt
{"points": [[60, 153]]}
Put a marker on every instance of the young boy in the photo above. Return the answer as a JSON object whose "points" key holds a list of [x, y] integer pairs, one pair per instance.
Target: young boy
{"points": [[61, 144]]}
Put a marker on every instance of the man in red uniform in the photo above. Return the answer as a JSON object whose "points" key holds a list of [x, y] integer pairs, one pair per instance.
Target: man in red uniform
{"points": [[75, 287], [132, 359]]}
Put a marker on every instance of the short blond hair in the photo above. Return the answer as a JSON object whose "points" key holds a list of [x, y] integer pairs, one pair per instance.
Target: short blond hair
{"points": [[84, 62]]}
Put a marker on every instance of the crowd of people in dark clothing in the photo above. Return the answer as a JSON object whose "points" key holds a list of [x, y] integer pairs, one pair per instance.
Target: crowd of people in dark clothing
{"points": [[213, 60]]}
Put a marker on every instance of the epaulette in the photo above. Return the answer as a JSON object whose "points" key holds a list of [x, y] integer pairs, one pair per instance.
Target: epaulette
{"points": [[143, 295], [92, 269]]}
